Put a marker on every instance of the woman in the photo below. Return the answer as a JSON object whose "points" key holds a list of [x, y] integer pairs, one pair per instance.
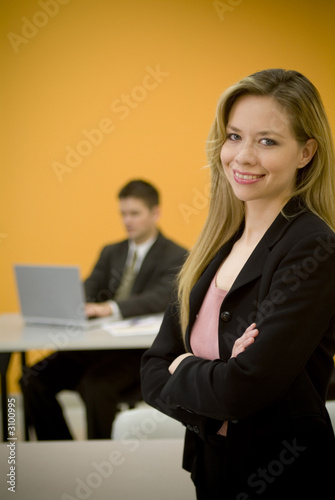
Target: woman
{"points": [[245, 354]]}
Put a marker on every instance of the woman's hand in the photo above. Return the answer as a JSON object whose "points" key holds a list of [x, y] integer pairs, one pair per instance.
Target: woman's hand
{"points": [[177, 361], [243, 342]]}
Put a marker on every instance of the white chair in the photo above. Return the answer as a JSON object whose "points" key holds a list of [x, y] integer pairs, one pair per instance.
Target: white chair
{"points": [[330, 405], [146, 423]]}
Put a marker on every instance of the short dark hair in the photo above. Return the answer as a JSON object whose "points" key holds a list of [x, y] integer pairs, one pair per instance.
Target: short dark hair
{"points": [[142, 190]]}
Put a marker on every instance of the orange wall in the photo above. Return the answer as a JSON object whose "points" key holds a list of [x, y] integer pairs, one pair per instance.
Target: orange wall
{"points": [[148, 74]]}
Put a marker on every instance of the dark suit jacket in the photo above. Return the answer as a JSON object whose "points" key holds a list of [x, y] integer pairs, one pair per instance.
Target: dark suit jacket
{"points": [[277, 387], [153, 284]]}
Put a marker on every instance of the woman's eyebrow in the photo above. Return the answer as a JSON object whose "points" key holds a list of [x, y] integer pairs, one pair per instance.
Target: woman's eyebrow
{"points": [[234, 129]]}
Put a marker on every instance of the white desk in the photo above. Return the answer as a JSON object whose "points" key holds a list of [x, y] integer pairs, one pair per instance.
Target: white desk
{"points": [[97, 470], [15, 336]]}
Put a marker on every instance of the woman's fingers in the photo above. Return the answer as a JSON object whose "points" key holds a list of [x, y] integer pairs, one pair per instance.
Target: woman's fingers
{"points": [[251, 327], [245, 340]]}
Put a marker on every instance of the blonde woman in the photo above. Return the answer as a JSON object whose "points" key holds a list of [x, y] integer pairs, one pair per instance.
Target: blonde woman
{"points": [[245, 353]]}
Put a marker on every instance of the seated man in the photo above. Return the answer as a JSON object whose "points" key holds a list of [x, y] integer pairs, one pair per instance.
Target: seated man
{"points": [[131, 278]]}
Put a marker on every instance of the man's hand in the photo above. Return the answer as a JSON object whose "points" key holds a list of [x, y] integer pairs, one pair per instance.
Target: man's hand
{"points": [[101, 310]]}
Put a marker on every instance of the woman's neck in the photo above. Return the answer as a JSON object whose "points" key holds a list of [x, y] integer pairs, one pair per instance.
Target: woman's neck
{"points": [[258, 219]]}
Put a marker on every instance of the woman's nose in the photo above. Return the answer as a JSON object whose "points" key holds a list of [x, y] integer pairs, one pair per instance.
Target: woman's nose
{"points": [[246, 155]]}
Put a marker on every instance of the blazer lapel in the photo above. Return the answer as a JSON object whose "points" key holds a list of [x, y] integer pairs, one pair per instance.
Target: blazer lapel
{"points": [[253, 268]]}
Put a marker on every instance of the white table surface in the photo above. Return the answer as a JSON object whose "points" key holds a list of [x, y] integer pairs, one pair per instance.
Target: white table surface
{"points": [[15, 336], [97, 470]]}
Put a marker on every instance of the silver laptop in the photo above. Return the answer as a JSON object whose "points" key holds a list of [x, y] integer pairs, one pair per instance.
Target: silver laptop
{"points": [[52, 295]]}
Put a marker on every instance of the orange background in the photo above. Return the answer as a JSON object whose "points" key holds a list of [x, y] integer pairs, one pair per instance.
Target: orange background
{"points": [[70, 66]]}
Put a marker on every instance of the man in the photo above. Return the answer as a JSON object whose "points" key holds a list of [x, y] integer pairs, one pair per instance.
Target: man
{"points": [[131, 278]]}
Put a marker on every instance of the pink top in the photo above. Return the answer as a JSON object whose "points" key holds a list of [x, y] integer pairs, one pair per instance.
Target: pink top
{"points": [[205, 332], [204, 335]]}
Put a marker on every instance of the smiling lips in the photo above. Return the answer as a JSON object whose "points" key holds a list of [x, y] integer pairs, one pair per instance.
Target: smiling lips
{"points": [[246, 178]]}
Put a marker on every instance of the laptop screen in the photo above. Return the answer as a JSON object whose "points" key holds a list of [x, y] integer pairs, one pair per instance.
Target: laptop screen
{"points": [[50, 294]]}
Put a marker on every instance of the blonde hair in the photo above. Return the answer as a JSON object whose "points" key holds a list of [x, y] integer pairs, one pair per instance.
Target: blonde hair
{"points": [[315, 183]]}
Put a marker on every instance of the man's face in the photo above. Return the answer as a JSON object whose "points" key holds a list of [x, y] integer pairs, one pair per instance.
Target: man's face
{"points": [[139, 220]]}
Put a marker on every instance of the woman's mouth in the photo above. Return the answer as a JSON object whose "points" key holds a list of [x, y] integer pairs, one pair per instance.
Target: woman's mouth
{"points": [[246, 178]]}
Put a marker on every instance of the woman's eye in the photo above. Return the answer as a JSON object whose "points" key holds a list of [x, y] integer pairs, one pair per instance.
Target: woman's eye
{"points": [[268, 142], [233, 137]]}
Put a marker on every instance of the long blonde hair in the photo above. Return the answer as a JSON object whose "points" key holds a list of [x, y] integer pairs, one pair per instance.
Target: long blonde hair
{"points": [[315, 183]]}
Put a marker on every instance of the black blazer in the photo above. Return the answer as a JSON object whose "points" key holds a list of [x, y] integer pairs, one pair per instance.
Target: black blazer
{"points": [[153, 284], [277, 387]]}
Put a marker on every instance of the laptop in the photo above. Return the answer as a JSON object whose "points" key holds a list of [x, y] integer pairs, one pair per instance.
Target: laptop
{"points": [[53, 295]]}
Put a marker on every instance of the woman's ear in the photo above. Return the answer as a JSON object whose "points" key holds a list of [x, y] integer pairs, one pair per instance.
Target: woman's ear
{"points": [[308, 152]]}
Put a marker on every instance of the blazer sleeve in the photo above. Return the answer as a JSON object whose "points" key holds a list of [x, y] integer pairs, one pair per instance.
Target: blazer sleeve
{"points": [[298, 322], [98, 280]]}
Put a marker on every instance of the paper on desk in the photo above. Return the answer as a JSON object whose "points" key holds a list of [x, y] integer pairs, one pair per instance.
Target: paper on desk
{"points": [[146, 325]]}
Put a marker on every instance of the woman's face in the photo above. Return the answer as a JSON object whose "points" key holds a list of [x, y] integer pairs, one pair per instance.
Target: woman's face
{"points": [[261, 156]]}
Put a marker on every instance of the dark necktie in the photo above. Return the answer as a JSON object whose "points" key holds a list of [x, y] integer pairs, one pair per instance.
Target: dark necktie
{"points": [[127, 280]]}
